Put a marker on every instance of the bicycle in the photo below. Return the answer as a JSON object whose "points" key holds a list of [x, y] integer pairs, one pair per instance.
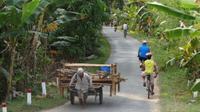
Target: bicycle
{"points": [[115, 28], [125, 33], [149, 86]]}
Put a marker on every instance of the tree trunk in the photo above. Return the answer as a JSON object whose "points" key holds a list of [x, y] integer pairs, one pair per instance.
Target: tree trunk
{"points": [[11, 67], [35, 44]]}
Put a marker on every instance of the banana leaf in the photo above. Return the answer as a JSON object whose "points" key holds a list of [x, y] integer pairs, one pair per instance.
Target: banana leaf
{"points": [[196, 33], [163, 22], [196, 86], [29, 9], [189, 4], [11, 15], [179, 32], [144, 15], [66, 38], [15, 2], [171, 10], [194, 59], [4, 72], [139, 11], [195, 43], [3, 17], [60, 44]]}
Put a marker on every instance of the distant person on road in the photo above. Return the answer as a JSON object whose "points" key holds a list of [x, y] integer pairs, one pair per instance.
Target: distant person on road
{"points": [[115, 25], [83, 83], [150, 68], [143, 50], [125, 28]]}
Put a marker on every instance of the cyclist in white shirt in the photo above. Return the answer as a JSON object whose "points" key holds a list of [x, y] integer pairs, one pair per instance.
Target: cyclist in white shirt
{"points": [[125, 28]]}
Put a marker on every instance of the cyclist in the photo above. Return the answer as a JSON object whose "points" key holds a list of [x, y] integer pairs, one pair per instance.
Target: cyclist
{"points": [[125, 28], [115, 25], [143, 50], [150, 68]]}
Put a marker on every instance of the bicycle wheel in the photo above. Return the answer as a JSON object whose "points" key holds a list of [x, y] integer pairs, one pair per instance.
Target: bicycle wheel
{"points": [[125, 33], [72, 97], [148, 90], [148, 87], [101, 96]]}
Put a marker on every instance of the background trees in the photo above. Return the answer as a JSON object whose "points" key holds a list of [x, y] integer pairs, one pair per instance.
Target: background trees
{"points": [[33, 30]]}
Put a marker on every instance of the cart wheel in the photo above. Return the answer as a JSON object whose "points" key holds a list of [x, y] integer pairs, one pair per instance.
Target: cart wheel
{"points": [[72, 98], [100, 96]]}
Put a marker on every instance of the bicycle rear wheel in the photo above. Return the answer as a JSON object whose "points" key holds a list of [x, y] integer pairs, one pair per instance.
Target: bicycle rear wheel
{"points": [[125, 33], [148, 87], [148, 91]]}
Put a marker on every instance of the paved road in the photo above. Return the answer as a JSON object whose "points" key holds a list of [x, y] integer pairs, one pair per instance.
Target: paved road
{"points": [[132, 97]]}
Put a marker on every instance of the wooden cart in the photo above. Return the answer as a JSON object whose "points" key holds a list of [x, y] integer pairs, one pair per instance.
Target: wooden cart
{"points": [[97, 91], [113, 80]]}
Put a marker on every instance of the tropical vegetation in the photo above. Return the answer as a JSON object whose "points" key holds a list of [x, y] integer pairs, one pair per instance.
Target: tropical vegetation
{"points": [[37, 34], [172, 29]]}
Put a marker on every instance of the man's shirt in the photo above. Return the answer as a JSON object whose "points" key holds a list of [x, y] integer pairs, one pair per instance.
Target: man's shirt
{"points": [[82, 84], [149, 67], [143, 50], [125, 27]]}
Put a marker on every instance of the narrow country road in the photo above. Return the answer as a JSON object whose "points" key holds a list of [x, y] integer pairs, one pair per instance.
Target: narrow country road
{"points": [[132, 97]]}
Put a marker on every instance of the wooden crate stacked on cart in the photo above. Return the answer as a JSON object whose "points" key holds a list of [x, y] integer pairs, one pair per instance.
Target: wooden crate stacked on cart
{"points": [[113, 80], [64, 77]]}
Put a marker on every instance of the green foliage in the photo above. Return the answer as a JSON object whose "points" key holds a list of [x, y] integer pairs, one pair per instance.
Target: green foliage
{"points": [[3, 77], [104, 52], [179, 32], [28, 9], [91, 15], [30, 28], [10, 14], [189, 4], [196, 86], [171, 10], [2, 2]]}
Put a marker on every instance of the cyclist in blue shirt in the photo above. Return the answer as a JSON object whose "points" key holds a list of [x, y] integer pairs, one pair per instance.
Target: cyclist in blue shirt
{"points": [[143, 50]]}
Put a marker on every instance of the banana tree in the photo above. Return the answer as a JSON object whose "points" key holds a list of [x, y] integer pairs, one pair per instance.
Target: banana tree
{"points": [[3, 86], [13, 19], [36, 53]]}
